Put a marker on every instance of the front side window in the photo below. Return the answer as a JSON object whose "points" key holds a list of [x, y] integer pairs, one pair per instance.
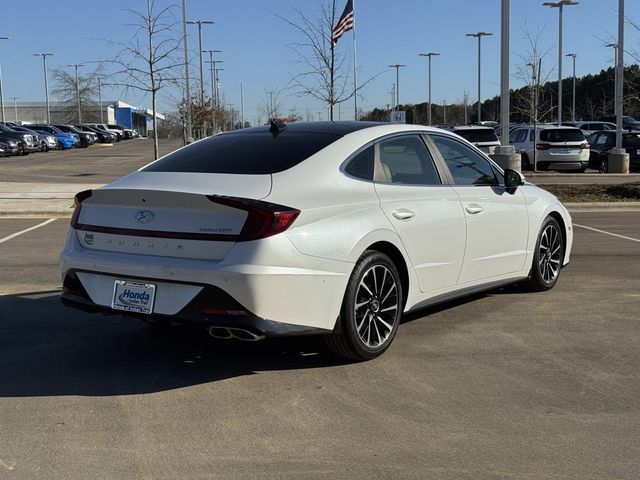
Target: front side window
{"points": [[467, 167], [406, 160]]}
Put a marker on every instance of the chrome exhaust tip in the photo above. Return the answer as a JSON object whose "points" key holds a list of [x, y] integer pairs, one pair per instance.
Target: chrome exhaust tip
{"points": [[225, 333]]}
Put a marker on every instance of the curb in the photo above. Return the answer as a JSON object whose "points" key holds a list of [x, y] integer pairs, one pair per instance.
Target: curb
{"points": [[603, 207]]}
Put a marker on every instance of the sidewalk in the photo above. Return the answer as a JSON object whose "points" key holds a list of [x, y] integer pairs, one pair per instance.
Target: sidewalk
{"points": [[39, 199]]}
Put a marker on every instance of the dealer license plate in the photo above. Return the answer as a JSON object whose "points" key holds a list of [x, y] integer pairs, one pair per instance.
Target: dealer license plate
{"points": [[133, 296]]}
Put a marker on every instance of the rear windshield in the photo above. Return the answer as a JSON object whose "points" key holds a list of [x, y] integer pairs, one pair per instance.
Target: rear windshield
{"points": [[250, 153], [477, 135], [561, 135]]}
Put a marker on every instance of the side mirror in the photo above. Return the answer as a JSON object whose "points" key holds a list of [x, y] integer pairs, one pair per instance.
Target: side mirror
{"points": [[513, 179]]}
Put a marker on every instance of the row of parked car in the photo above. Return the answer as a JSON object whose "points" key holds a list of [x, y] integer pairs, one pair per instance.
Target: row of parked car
{"points": [[573, 146], [16, 139]]}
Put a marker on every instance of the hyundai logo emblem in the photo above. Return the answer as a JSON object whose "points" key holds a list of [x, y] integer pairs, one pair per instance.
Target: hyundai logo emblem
{"points": [[144, 216]]}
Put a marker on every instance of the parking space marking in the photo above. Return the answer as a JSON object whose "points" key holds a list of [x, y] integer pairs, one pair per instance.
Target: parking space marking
{"points": [[607, 233], [26, 230]]}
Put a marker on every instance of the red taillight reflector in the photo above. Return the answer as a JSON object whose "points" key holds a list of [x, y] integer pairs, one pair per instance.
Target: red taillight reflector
{"points": [[585, 145], [264, 219], [77, 202], [543, 146]]}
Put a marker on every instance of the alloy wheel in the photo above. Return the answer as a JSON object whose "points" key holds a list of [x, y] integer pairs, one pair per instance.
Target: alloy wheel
{"points": [[549, 253], [376, 306]]}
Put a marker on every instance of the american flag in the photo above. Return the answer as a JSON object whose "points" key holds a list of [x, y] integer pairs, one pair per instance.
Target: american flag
{"points": [[345, 23]]}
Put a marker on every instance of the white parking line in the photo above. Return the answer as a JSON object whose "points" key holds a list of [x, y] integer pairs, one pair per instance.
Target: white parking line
{"points": [[26, 230], [607, 233]]}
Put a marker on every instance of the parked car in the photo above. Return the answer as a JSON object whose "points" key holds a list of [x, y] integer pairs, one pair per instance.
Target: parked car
{"points": [[484, 138], [86, 138], [602, 143], [46, 140], [126, 132], [11, 146], [590, 126], [4, 150], [333, 228], [556, 148], [103, 135], [628, 122], [65, 140], [119, 133], [27, 142]]}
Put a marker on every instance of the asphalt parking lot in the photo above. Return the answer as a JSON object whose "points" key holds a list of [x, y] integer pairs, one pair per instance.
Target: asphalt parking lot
{"points": [[502, 385]]}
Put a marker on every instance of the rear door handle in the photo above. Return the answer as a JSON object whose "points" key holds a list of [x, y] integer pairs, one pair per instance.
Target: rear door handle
{"points": [[473, 208], [403, 214]]}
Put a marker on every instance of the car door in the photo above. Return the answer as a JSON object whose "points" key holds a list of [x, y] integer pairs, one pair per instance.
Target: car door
{"points": [[497, 219], [426, 214]]}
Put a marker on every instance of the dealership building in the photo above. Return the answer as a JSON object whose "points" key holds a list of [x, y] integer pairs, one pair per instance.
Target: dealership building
{"points": [[117, 111]]}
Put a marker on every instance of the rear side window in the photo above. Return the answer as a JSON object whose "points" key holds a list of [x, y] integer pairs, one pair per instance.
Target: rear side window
{"points": [[632, 140], [361, 166], [246, 153], [561, 135], [406, 160], [477, 135]]}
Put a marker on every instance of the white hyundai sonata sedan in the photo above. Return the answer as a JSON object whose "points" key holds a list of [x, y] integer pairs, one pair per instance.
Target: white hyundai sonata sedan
{"points": [[334, 228]]}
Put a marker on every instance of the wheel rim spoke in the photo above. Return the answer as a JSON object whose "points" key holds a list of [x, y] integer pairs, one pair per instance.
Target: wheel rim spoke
{"points": [[376, 306], [549, 253]]}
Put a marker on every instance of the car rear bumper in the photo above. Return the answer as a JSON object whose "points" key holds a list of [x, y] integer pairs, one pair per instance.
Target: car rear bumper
{"points": [[306, 293], [562, 166]]}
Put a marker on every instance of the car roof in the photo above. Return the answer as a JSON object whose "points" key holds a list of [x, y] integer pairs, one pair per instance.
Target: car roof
{"points": [[332, 128]]}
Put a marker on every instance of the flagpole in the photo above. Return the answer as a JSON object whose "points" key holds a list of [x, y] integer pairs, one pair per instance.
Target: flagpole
{"points": [[355, 65]]}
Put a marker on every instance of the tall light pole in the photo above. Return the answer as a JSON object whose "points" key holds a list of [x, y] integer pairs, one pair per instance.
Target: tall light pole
{"points": [[76, 66], [1, 91], [397, 66], [615, 75], [479, 36], [429, 55], [187, 94], [15, 107], [620, 78], [560, 5], [200, 23], [100, 98], [46, 86], [214, 87], [573, 95]]}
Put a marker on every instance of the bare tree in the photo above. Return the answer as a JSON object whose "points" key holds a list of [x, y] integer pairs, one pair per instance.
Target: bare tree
{"points": [[149, 62], [529, 71], [65, 91], [326, 72], [270, 107]]}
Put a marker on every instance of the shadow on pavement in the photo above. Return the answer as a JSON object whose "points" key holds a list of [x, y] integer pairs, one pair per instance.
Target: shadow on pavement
{"points": [[47, 349]]}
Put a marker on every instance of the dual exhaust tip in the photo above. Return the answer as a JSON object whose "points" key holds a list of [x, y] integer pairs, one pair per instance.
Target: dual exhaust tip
{"points": [[228, 333]]}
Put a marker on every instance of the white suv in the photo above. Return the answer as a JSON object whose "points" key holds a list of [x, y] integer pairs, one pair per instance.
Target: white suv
{"points": [[484, 138], [555, 148]]}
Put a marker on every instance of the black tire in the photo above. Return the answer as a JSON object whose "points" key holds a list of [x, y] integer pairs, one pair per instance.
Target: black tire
{"points": [[547, 257], [603, 165], [365, 330]]}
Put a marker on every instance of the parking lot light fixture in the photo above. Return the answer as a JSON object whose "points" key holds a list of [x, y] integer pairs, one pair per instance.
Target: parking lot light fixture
{"points": [[559, 5], [397, 66], [200, 23], [46, 87], [479, 36], [1, 92], [573, 95], [429, 55], [76, 66], [214, 102]]}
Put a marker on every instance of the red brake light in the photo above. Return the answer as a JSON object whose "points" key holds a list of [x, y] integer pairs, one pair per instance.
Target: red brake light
{"points": [[264, 219], [543, 146], [585, 145], [77, 202]]}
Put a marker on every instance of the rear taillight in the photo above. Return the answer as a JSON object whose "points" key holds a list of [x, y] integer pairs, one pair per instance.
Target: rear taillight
{"points": [[585, 145], [77, 202], [264, 219], [543, 146]]}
